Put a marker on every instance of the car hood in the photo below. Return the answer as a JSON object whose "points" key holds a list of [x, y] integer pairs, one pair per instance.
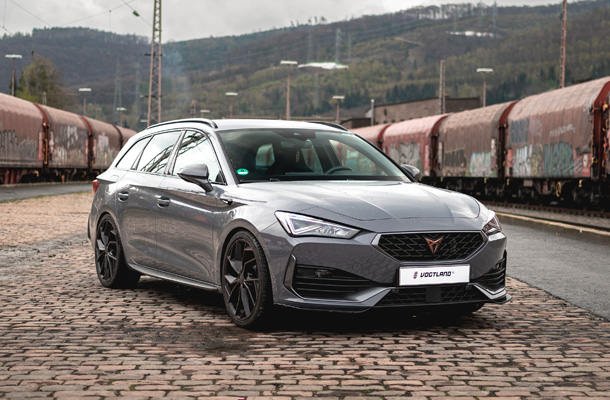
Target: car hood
{"points": [[366, 201]]}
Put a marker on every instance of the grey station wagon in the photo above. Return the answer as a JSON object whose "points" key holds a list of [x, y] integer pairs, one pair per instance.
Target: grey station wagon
{"points": [[296, 214]]}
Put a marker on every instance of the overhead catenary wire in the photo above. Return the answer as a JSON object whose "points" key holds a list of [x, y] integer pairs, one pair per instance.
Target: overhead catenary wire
{"points": [[31, 13], [104, 12]]}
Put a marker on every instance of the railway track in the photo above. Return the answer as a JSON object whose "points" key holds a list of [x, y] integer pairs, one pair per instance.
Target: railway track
{"points": [[592, 219]]}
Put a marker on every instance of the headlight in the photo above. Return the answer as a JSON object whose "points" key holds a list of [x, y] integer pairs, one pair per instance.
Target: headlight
{"points": [[301, 225], [493, 224]]}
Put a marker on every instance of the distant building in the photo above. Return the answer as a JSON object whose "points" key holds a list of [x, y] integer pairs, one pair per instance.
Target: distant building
{"points": [[396, 112]]}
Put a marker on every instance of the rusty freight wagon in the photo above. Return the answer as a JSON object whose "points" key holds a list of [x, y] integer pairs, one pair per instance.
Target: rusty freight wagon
{"points": [[40, 143], [373, 134], [556, 143], [21, 139], [414, 142], [472, 149]]}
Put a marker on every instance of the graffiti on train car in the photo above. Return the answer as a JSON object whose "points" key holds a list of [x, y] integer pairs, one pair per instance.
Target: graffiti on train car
{"points": [[480, 165], [455, 163], [13, 147], [69, 146], [527, 161], [553, 160], [407, 153], [104, 153], [526, 130], [520, 131], [558, 160]]}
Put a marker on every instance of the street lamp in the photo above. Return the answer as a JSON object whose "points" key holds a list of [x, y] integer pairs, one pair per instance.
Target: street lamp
{"points": [[315, 67], [290, 66], [485, 71], [120, 110], [338, 98], [13, 57], [230, 95], [85, 90]]}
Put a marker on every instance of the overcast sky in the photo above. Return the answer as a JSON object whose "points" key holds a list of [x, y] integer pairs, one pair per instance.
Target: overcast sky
{"points": [[193, 19]]}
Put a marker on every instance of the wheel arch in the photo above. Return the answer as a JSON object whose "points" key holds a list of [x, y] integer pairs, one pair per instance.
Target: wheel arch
{"points": [[238, 226]]}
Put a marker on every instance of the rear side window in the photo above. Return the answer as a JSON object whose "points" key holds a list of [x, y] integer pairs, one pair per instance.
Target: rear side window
{"points": [[156, 154], [132, 154]]}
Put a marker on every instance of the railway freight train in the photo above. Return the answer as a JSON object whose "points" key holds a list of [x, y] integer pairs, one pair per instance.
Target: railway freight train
{"points": [[40, 143], [552, 147]]}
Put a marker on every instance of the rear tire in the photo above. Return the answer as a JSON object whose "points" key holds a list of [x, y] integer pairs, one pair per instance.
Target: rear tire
{"points": [[246, 285], [110, 264]]}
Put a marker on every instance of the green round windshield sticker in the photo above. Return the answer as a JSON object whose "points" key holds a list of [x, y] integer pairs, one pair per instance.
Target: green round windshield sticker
{"points": [[242, 171]]}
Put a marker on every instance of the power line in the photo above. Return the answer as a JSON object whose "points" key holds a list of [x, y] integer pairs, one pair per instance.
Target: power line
{"points": [[104, 12], [31, 13]]}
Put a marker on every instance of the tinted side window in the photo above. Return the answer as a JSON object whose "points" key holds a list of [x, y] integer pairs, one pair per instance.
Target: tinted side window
{"points": [[157, 152], [197, 149], [132, 154]]}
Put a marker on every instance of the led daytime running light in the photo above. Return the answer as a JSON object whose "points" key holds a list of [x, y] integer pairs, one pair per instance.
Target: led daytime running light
{"points": [[493, 225], [302, 225]]}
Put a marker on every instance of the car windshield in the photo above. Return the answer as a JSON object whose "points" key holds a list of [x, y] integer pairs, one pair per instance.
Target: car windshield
{"points": [[288, 155]]}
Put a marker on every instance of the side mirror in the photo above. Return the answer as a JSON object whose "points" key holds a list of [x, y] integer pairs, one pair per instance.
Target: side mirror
{"points": [[197, 174], [411, 171]]}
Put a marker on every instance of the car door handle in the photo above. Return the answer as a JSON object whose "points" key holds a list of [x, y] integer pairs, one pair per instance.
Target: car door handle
{"points": [[163, 201], [226, 201], [123, 196]]}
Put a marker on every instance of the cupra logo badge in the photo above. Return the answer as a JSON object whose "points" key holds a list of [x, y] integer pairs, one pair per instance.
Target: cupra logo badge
{"points": [[434, 244]]}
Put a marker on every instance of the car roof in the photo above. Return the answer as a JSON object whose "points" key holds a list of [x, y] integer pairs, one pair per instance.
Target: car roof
{"points": [[229, 124]]}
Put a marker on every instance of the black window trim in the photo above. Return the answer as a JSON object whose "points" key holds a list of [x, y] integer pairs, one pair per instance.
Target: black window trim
{"points": [[172, 163], [137, 159], [137, 162]]}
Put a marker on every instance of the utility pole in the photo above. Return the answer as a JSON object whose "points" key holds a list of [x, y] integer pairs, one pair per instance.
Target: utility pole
{"points": [[564, 30], [337, 44], [13, 57], [118, 101], [485, 71], [154, 84], [84, 90], [338, 99], [441, 89], [137, 99], [290, 64]]}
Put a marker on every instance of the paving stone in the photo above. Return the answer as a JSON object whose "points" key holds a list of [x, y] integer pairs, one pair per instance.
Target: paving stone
{"points": [[64, 336]]}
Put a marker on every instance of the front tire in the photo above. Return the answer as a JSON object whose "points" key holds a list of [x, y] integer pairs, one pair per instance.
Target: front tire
{"points": [[246, 285], [110, 264]]}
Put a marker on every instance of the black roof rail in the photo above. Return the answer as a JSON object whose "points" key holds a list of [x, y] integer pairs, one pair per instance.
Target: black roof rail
{"points": [[331, 124], [208, 122]]}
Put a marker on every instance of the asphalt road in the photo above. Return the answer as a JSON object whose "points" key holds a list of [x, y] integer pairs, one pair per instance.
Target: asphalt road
{"points": [[17, 192], [574, 270]]}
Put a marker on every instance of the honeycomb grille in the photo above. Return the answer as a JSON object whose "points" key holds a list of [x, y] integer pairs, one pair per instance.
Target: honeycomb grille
{"points": [[448, 246], [331, 284]]}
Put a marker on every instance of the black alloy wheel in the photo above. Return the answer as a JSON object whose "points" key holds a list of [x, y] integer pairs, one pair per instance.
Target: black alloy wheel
{"points": [[112, 270], [246, 285]]}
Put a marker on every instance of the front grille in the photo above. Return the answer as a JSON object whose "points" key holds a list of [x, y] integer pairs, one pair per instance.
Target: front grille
{"points": [[495, 278], [413, 247], [431, 295], [327, 283]]}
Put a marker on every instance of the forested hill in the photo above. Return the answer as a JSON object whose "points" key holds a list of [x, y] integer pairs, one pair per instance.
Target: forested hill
{"points": [[392, 57]]}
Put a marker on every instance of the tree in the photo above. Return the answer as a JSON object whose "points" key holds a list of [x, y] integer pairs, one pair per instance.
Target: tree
{"points": [[41, 76]]}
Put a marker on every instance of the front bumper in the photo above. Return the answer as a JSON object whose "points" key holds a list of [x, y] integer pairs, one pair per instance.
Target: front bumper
{"points": [[354, 275]]}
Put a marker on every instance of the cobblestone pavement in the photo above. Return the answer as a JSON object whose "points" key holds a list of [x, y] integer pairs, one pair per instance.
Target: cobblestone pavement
{"points": [[62, 335]]}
